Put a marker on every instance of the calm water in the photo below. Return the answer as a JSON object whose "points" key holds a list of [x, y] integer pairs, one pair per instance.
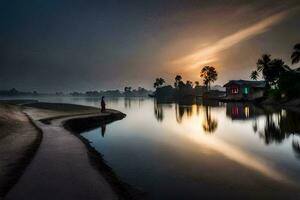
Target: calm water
{"points": [[200, 149]]}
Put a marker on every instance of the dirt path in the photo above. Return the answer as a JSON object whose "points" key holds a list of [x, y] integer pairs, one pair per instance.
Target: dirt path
{"points": [[61, 169]]}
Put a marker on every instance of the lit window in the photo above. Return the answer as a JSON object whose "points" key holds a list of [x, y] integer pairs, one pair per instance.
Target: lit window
{"points": [[235, 90], [246, 90]]}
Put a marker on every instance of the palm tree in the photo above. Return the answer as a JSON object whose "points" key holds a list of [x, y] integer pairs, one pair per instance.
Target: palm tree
{"points": [[296, 54], [254, 75], [271, 69], [209, 74], [158, 82], [263, 64], [277, 68], [178, 78], [197, 83]]}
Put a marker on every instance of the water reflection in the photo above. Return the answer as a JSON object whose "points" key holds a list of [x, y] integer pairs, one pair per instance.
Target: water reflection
{"points": [[180, 110], [103, 129], [127, 102], [192, 138], [242, 111], [277, 123], [188, 108], [296, 147], [209, 124], [158, 111]]}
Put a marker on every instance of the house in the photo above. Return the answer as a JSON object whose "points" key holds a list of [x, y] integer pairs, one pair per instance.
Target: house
{"points": [[243, 90]]}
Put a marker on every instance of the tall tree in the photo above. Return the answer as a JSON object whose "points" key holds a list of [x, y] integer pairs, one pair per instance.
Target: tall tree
{"points": [[158, 82], [209, 74], [178, 78], [254, 75], [270, 69], [296, 54]]}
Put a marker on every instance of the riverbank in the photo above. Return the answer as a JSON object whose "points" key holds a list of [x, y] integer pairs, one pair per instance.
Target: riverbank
{"points": [[19, 140], [65, 166]]}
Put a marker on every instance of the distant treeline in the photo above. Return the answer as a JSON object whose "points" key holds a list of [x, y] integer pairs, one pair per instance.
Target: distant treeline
{"points": [[128, 92], [15, 92]]}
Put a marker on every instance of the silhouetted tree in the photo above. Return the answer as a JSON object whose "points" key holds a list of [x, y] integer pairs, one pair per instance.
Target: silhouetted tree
{"points": [[178, 78], [263, 65], [127, 89], [289, 84], [189, 83], [271, 69], [254, 75], [296, 54], [158, 82], [197, 83], [209, 74]]}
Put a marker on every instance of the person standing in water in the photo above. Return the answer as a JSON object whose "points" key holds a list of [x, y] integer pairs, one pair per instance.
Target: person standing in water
{"points": [[102, 104]]}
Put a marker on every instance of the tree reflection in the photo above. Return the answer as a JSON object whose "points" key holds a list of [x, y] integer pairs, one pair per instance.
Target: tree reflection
{"points": [[158, 111], [272, 131], [127, 102], [279, 124], [209, 125], [180, 110]]}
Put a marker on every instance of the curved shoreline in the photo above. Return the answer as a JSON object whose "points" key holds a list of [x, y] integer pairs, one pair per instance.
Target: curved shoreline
{"points": [[123, 190], [59, 146], [21, 150]]}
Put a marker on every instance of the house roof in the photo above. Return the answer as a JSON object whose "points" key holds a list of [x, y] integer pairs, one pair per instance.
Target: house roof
{"points": [[257, 84]]}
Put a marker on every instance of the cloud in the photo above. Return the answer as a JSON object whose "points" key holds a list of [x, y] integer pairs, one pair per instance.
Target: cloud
{"points": [[209, 53]]}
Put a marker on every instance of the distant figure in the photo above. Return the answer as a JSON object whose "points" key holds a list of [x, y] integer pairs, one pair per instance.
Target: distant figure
{"points": [[102, 104]]}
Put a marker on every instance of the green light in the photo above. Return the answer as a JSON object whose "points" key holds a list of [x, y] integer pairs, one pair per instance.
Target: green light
{"points": [[246, 90]]}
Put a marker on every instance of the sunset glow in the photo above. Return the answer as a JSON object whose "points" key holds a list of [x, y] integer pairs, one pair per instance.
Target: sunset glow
{"points": [[191, 128], [210, 53]]}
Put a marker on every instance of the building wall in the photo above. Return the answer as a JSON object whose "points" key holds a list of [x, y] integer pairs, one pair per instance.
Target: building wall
{"points": [[253, 93], [235, 96]]}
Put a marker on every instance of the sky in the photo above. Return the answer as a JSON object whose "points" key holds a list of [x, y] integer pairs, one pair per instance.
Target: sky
{"points": [[68, 45]]}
